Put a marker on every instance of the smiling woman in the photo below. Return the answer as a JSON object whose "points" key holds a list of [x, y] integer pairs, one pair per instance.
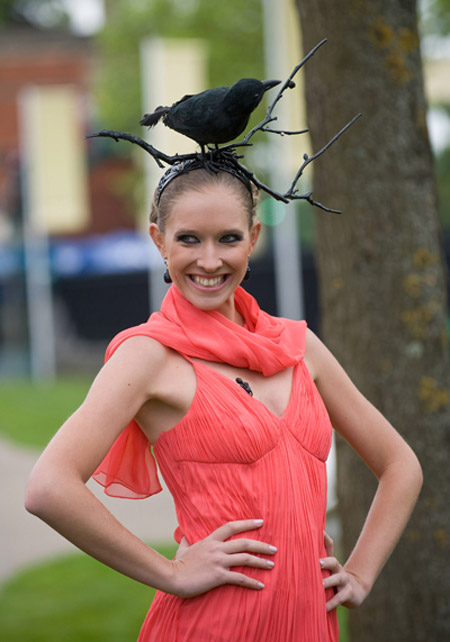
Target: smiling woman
{"points": [[247, 471], [207, 244]]}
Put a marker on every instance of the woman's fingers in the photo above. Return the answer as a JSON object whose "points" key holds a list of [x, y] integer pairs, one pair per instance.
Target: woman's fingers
{"points": [[239, 551], [182, 548], [233, 528], [328, 543], [330, 564], [348, 589], [246, 559], [251, 545], [243, 580], [209, 562]]}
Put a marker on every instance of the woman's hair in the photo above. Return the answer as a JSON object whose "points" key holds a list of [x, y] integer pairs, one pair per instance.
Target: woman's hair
{"points": [[198, 180]]}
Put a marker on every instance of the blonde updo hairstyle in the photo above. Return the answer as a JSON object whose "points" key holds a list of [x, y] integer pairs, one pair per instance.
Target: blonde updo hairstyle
{"points": [[198, 180]]}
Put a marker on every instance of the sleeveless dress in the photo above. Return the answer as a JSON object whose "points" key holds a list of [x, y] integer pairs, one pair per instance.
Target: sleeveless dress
{"points": [[231, 458]]}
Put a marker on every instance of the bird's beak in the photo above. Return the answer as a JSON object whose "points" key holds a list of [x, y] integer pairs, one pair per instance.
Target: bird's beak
{"points": [[268, 84]]}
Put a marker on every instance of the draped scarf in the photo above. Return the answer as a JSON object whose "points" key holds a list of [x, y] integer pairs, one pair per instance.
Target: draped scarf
{"points": [[264, 343]]}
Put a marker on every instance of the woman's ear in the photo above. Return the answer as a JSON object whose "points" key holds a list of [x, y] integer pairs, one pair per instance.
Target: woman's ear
{"points": [[254, 234], [157, 238]]}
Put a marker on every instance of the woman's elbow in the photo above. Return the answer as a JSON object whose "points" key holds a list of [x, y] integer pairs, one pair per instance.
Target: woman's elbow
{"points": [[43, 492], [417, 472], [412, 471], [36, 495]]}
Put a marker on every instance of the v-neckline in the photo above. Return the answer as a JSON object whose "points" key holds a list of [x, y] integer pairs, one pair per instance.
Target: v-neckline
{"points": [[252, 399]]}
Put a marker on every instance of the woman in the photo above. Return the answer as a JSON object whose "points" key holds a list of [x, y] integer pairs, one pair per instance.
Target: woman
{"points": [[247, 472]]}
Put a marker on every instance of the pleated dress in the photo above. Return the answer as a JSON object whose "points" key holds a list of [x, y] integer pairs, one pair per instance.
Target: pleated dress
{"points": [[231, 458]]}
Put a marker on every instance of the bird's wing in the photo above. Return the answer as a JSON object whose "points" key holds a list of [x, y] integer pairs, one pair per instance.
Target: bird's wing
{"points": [[183, 99]]}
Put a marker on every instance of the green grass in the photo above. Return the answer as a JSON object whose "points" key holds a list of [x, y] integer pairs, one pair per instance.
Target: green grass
{"points": [[31, 413], [342, 614], [74, 599]]}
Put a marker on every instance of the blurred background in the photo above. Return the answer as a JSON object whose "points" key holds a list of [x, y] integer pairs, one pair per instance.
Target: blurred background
{"points": [[76, 264]]}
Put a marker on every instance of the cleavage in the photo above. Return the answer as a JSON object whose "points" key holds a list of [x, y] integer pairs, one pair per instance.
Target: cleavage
{"points": [[273, 392]]}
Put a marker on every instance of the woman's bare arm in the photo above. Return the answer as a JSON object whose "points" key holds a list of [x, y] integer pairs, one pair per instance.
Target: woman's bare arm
{"points": [[390, 459], [56, 491]]}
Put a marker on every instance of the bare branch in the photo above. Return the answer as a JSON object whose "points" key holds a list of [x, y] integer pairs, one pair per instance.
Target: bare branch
{"points": [[159, 157], [309, 159], [283, 132], [287, 84]]}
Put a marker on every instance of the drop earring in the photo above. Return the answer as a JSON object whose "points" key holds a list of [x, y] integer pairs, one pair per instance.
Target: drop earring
{"points": [[247, 274], [166, 276]]}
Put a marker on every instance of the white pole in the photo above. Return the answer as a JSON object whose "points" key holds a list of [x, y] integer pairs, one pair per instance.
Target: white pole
{"points": [[36, 253], [156, 286], [286, 245]]}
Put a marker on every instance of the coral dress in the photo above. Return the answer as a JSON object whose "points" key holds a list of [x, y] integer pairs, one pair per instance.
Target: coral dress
{"points": [[231, 458]]}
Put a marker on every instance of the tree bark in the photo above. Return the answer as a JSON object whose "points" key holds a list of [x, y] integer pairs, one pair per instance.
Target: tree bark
{"points": [[383, 286]]}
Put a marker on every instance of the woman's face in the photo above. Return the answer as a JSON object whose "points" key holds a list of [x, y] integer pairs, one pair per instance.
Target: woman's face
{"points": [[207, 242]]}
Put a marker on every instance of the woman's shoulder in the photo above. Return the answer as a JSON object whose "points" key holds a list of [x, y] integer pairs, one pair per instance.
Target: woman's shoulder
{"points": [[315, 353], [146, 368], [144, 351]]}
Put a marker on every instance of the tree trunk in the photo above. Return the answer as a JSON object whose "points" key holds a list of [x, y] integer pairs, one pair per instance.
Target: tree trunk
{"points": [[383, 286]]}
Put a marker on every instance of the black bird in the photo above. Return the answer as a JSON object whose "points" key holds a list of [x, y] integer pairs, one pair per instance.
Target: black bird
{"points": [[216, 115]]}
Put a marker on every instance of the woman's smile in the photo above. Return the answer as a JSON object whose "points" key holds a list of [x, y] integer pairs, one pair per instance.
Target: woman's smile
{"points": [[207, 242], [209, 282]]}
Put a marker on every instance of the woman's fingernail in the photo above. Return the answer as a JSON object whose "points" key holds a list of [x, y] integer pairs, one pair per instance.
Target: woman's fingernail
{"points": [[321, 563], [260, 585], [258, 522], [273, 549], [270, 564]]}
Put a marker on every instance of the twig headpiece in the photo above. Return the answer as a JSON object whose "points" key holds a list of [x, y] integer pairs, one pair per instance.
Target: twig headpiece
{"points": [[225, 158]]}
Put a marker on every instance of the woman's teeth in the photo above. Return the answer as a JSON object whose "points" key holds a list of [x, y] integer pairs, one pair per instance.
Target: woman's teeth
{"points": [[208, 283]]}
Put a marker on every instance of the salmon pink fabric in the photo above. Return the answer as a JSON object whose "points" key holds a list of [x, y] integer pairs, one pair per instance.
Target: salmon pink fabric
{"points": [[266, 344], [231, 458]]}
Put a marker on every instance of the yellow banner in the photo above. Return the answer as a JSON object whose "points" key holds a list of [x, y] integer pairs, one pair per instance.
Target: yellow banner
{"points": [[53, 151]]}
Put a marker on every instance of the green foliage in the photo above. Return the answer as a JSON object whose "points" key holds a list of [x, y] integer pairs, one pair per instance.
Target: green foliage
{"points": [[436, 16], [5, 10], [232, 30], [74, 598], [31, 414]]}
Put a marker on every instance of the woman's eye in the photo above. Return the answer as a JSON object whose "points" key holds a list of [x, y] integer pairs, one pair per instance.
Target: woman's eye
{"points": [[187, 238], [231, 238]]}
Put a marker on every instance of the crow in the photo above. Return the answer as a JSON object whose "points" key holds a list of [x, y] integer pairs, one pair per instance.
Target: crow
{"points": [[213, 116]]}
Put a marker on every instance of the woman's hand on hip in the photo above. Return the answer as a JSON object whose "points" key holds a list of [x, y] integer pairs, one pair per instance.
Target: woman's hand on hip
{"points": [[208, 563], [348, 589]]}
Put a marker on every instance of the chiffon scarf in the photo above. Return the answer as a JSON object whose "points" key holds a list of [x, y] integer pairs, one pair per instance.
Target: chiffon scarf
{"points": [[265, 344]]}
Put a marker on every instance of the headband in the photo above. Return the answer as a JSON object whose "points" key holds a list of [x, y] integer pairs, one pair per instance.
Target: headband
{"points": [[220, 163]]}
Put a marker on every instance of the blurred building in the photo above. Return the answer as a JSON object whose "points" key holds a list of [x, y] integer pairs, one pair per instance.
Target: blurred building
{"points": [[32, 57]]}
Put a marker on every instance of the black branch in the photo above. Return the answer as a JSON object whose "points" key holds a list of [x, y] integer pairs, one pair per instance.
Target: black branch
{"points": [[211, 155], [159, 157], [291, 193]]}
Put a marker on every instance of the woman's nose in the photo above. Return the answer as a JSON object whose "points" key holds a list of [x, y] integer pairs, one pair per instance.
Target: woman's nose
{"points": [[209, 259]]}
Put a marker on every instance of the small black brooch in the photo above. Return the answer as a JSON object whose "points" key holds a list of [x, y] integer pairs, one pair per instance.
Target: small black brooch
{"points": [[245, 386]]}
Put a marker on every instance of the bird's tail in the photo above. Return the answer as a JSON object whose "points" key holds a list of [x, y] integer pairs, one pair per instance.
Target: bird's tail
{"points": [[151, 119]]}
